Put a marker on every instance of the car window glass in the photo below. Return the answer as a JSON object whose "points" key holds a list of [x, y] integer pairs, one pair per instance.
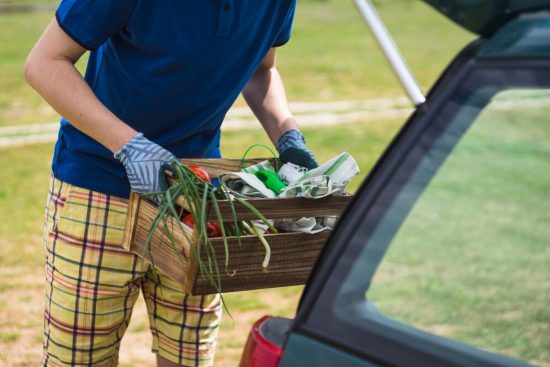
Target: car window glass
{"points": [[472, 260]]}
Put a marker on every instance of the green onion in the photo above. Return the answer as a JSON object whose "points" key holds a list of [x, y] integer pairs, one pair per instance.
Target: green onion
{"points": [[257, 213], [252, 228], [193, 195]]}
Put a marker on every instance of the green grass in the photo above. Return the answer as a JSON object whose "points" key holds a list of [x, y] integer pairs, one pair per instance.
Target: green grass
{"points": [[23, 198], [331, 56], [9, 337], [18, 102], [33, 2], [471, 261]]}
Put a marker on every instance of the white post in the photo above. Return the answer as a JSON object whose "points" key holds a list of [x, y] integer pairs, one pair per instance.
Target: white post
{"points": [[391, 51]]}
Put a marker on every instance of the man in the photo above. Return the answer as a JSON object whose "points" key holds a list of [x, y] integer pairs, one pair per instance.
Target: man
{"points": [[160, 78]]}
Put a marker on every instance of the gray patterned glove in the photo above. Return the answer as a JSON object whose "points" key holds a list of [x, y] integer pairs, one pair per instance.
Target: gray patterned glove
{"points": [[292, 148], [143, 161]]}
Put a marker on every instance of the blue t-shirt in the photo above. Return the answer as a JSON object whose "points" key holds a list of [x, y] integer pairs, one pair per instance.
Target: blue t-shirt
{"points": [[170, 69]]}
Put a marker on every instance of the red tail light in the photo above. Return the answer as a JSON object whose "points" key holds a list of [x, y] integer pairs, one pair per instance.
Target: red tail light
{"points": [[260, 352]]}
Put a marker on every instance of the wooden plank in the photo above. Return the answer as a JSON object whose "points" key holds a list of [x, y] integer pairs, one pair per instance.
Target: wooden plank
{"points": [[216, 167], [292, 258], [131, 219], [280, 208], [178, 263], [277, 208]]}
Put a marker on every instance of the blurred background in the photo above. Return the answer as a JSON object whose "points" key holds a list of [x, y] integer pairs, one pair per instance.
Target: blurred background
{"points": [[345, 98]]}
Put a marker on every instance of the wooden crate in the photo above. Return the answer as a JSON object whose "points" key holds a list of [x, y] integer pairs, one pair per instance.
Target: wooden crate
{"points": [[292, 254]]}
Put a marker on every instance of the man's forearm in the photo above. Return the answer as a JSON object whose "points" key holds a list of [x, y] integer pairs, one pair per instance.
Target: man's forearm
{"points": [[57, 80], [265, 94]]}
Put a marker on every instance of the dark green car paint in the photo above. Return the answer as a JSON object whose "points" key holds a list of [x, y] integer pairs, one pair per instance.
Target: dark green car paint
{"points": [[485, 17], [526, 36], [303, 351]]}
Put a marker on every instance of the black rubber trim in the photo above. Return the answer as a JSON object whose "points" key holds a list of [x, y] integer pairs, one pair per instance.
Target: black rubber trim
{"points": [[70, 34]]}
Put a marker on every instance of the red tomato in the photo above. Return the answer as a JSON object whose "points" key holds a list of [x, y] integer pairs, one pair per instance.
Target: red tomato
{"points": [[200, 173], [214, 229], [188, 220]]}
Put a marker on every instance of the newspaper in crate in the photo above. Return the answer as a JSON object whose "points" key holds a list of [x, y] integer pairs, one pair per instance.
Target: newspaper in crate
{"points": [[328, 179]]}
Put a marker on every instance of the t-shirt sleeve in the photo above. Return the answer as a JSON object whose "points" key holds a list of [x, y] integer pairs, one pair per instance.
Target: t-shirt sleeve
{"points": [[284, 34], [92, 22]]}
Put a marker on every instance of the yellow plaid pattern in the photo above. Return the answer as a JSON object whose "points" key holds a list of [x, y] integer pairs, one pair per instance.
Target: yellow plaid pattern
{"points": [[93, 283]]}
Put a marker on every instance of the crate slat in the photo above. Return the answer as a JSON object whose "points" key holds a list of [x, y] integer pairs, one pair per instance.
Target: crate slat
{"points": [[161, 252], [216, 167], [292, 257], [277, 208], [286, 208]]}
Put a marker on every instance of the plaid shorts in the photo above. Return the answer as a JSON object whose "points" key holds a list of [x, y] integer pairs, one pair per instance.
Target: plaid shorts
{"points": [[93, 283]]}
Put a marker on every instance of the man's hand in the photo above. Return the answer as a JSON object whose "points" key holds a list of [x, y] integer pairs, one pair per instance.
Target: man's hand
{"points": [[292, 148], [144, 162]]}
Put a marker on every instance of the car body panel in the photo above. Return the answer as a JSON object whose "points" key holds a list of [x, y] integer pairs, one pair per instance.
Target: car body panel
{"points": [[485, 17], [527, 36], [304, 351]]}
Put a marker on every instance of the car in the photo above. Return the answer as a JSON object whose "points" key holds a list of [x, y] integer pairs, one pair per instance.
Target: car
{"points": [[468, 178]]}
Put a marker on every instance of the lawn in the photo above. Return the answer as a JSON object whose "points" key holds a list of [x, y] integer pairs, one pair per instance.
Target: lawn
{"points": [[471, 262], [331, 56]]}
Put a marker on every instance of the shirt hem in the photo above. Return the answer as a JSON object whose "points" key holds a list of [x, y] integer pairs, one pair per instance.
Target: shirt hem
{"points": [[282, 43]]}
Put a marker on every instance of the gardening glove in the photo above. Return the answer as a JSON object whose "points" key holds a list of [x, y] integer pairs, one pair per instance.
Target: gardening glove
{"points": [[292, 148], [144, 162]]}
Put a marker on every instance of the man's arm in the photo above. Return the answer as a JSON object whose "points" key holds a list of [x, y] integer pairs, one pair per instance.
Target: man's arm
{"points": [[50, 70], [265, 94]]}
